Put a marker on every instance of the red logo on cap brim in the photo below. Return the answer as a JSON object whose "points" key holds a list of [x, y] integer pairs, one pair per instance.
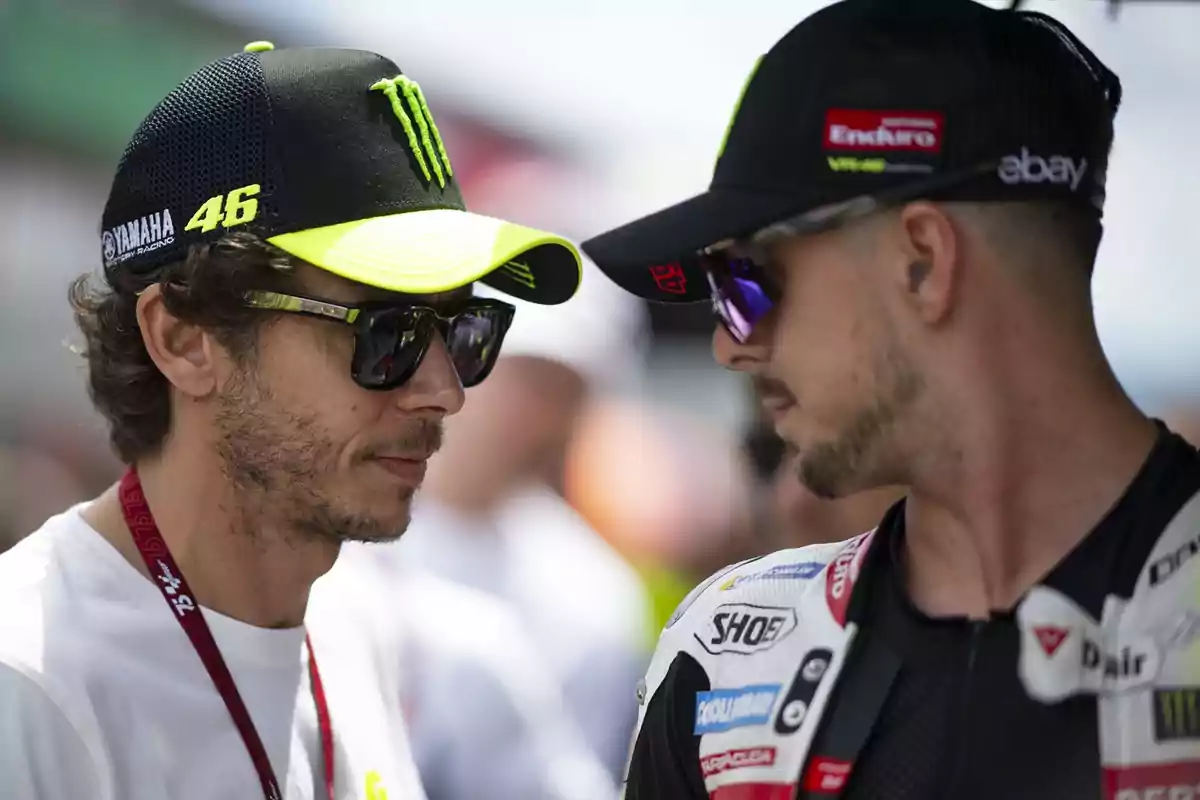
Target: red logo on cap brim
{"points": [[669, 278]]}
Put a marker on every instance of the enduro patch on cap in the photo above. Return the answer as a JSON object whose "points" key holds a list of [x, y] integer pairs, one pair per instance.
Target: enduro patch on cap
{"points": [[874, 142], [919, 131]]}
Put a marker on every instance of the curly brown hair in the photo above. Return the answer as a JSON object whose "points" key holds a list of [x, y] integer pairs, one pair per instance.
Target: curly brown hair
{"points": [[207, 288]]}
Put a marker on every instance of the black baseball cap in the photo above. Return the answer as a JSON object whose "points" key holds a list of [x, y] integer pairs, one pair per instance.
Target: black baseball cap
{"points": [[876, 98], [329, 154]]}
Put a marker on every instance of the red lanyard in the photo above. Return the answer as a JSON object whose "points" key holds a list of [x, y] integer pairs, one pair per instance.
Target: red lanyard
{"points": [[170, 581]]}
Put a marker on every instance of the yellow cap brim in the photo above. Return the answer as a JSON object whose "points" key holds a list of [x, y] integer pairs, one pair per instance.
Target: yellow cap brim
{"points": [[426, 252]]}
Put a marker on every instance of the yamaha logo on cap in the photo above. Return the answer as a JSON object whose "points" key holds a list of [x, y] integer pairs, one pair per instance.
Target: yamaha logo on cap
{"points": [[137, 237]]}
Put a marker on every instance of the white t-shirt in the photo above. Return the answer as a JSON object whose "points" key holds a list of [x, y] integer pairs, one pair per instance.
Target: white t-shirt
{"points": [[484, 712], [585, 608], [103, 696]]}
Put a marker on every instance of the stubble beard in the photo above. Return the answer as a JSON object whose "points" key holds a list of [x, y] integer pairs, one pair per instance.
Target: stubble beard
{"points": [[276, 462], [852, 461]]}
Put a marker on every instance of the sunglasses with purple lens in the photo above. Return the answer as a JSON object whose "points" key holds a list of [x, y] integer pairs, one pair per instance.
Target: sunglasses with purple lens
{"points": [[743, 292]]}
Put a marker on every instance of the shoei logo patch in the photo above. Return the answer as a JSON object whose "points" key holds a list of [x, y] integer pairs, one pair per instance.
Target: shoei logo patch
{"points": [[724, 709], [744, 629], [142, 235], [919, 131], [737, 759], [423, 138], [1025, 167]]}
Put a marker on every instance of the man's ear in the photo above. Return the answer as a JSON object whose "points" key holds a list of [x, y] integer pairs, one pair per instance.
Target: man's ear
{"points": [[183, 352], [930, 272]]}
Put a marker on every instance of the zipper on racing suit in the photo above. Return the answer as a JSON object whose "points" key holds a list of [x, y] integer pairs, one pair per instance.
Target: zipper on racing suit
{"points": [[962, 726]]}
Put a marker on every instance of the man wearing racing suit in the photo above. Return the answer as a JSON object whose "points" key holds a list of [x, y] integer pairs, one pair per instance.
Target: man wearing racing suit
{"points": [[898, 242]]}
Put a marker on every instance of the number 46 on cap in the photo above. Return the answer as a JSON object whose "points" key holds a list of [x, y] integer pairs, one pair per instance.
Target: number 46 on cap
{"points": [[239, 207]]}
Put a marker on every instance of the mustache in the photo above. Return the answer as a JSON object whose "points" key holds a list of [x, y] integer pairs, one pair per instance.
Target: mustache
{"points": [[419, 441], [765, 387]]}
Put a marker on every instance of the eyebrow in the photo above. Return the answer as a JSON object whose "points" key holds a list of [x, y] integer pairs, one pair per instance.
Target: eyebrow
{"points": [[455, 295], [437, 299], [451, 298]]}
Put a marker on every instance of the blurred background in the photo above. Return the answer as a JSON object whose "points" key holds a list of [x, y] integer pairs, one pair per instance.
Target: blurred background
{"points": [[572, 117]]}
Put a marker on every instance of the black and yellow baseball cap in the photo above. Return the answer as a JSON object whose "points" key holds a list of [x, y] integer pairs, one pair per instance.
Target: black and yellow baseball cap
{"points": [[329, 154]]}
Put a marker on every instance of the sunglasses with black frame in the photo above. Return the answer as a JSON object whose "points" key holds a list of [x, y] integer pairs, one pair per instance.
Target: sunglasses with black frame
{"points": [[391, 339]]}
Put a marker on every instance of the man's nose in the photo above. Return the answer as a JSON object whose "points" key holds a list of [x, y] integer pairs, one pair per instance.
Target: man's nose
{"points": [[749, 356], [435, 387]]}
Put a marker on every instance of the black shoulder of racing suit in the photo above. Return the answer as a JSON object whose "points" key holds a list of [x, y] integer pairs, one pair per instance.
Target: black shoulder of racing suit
{"points": [[1164, 485], [665, 762]]}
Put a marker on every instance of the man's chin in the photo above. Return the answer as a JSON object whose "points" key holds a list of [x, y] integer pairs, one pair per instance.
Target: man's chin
{"points": [[381, 537], [378, 528], [825, 473], [367, 525]]}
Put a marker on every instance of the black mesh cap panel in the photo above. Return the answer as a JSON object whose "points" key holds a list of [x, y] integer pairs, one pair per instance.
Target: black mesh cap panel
{"points": [[204, 139]]}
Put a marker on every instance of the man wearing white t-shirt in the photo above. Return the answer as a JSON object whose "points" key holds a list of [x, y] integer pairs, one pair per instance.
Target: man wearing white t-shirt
{"points": [[285, 321]]}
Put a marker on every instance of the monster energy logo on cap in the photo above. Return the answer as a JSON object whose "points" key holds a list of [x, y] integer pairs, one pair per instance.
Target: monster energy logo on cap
{"points": [[521, 273], [423, 139]]}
